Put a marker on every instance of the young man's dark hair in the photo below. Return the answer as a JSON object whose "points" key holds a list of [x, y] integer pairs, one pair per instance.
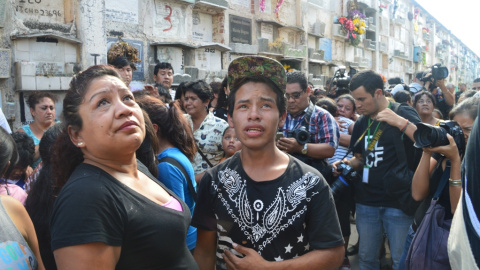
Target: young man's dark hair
{"points": [[476, 80], [162, 65], [403, 96], [121, 62], [369, 79], [163, 93], [298, 77]]}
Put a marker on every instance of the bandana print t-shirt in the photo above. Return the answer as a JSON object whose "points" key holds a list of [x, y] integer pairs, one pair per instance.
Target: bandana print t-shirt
{"points": [[281, 219]]}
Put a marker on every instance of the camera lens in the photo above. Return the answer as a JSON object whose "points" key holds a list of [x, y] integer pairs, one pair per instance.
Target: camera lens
{"points": [[428, 135], [339, 186]]}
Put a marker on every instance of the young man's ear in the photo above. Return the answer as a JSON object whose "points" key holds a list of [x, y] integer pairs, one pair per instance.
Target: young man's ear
{"points": [[75, 137], [283, 118]]}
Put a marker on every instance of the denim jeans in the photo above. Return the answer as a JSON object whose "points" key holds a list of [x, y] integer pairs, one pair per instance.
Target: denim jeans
{"points": [[408, 243], [372, 223]]}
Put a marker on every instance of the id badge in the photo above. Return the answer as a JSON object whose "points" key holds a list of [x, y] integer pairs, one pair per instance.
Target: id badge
{"points": [[365, 174]]}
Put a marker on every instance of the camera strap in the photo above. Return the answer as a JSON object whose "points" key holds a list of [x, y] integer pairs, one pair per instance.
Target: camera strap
{"points": [[306, 118], [376, 136]]}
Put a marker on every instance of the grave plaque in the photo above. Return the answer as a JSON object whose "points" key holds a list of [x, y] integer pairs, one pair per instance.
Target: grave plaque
{"points": [[240, 30]]}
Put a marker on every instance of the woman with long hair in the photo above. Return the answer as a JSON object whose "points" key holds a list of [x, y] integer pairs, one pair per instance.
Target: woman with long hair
{"points": [[111, 213], [176, 142], [18, 239], [39, 204]]}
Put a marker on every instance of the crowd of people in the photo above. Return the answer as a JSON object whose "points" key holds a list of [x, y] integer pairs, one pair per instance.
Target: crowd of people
{"points": [[261, 170]]}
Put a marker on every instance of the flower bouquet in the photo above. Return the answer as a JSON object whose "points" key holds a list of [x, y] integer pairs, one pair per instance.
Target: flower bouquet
{"points": [[353, 26]]}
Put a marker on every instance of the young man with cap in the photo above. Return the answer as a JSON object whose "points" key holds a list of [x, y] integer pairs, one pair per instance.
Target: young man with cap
{"points": [[264, 209]]}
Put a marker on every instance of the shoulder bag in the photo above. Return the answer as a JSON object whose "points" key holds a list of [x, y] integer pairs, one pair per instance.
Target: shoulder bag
{"points": [[429, 245]]}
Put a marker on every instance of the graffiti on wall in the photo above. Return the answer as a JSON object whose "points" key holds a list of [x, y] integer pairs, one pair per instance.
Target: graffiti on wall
{"points": [[170, 19], [50, 11]]}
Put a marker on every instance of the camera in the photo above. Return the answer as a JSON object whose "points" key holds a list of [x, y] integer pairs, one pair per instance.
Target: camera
{"points": [[341, 81], [427, 135], [437, 72], [346, 177], [301, 135]]}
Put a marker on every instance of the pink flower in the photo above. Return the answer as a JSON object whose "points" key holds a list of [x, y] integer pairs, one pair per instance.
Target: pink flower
{"points": [[354, 36]]}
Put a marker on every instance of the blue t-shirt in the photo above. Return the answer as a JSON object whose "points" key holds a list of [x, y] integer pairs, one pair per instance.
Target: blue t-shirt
{"points": [[173, 178]]}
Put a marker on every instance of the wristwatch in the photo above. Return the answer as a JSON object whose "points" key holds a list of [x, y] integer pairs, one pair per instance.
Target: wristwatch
{"points": [[304, 150]]}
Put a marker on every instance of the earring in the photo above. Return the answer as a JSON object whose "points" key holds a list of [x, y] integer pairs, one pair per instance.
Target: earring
{"points": [[80, 143]]}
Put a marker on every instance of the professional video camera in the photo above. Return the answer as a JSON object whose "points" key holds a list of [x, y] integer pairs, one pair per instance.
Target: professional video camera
{"points": [[344, 180], [341, 81], [301, 135], [435, 73], [427, 135]]}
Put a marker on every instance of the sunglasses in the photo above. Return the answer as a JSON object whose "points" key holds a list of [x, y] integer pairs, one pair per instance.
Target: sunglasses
{"points": [[294, 95]]}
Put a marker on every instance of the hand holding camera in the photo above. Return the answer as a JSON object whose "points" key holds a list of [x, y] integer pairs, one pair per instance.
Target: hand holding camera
{"points": [[450, 150]]}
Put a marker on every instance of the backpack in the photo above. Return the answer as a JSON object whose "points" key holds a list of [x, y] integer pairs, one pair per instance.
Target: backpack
{"points": [[401, 186]]}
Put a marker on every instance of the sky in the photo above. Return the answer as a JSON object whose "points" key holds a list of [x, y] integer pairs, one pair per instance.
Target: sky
{"points": [[461, 17]]}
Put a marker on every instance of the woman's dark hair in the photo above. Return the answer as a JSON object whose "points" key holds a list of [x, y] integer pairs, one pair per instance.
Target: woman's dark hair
{"points": [[180, 90], [147, 151], [402, 96], [222, 101], [172, 125], [25, 149], [468, 106], [66, 155], [328, 104], [350, 98], [8, 153], [199, 88], [121, 62], [35, 97], [40, 200], [280, 100], [421, 94]]}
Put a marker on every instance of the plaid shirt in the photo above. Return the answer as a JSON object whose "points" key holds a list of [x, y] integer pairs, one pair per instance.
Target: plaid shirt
{"points": [[322, 126]]}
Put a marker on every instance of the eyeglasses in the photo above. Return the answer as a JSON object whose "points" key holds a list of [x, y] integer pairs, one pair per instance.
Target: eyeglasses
{"points": [[294, 95]]}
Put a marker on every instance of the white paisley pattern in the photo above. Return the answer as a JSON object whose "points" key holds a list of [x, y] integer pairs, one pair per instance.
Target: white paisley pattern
{"points": [[258, 223]]}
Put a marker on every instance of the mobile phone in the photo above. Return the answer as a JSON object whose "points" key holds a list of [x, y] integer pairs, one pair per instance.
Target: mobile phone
{"points": [[278, 135]]}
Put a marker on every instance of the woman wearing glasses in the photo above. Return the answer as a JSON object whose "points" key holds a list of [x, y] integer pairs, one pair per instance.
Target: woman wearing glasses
{"points": [[424, 103]]}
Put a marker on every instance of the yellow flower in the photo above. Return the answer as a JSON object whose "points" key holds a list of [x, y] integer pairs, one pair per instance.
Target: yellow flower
{"points": [[355, 21]]}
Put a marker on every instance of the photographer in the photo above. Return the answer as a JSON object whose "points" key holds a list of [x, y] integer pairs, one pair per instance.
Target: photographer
{"points": [[442, 161], [319, 127], [435, 80], [382, 139]]}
